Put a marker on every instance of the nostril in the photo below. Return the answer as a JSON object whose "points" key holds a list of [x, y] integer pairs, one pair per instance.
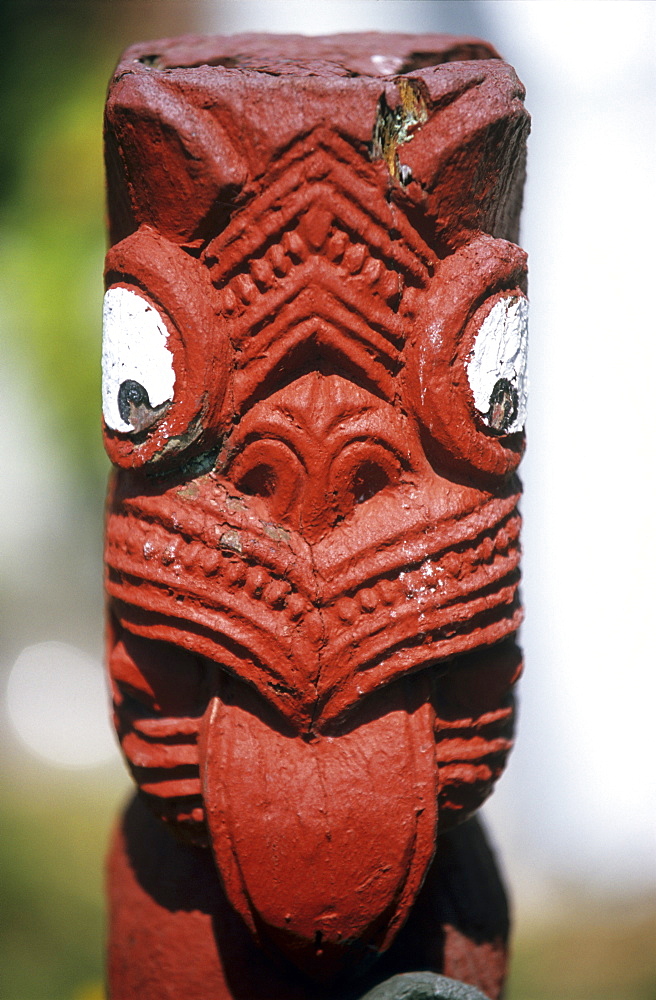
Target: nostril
{"points": [[268, 470], [370, 478], [260, 481]]}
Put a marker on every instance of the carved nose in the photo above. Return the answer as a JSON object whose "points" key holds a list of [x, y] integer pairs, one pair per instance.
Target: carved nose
{"points": [[316, 490], [316, 450]]}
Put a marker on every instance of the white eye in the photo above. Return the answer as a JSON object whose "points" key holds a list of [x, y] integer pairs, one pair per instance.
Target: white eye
{"points": [[497, 366], [137, 366]]}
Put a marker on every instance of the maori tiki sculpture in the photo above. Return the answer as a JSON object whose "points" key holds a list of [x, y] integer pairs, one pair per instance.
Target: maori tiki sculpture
{"points": [[314, 395]]}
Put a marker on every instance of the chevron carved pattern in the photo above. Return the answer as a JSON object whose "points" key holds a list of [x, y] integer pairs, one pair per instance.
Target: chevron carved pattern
{"points": [[330, 265]]}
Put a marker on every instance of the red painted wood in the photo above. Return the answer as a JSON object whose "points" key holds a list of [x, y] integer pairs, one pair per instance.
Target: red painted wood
{"points": [[312, 547]]}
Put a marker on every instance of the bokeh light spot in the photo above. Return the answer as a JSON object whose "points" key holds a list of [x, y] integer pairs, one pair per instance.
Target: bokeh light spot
{"points": [[57, 705]]}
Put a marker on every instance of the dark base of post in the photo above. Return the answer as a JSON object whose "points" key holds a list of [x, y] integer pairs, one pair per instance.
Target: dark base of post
{"points": [[172, 932]]}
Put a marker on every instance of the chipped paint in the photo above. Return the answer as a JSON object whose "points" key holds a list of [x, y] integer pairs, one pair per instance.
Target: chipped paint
{"points": [[231, 540], [395, 126]]}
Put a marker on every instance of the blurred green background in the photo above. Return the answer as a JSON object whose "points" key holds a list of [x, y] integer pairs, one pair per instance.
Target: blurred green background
{"points": [[57, 58], [580, 943]]}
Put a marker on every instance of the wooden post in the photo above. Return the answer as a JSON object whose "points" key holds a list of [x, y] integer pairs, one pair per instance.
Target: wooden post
{"points": [[314, 395]]}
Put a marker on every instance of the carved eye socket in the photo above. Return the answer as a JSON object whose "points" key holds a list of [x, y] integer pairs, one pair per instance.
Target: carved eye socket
{"points": [[137, 366], [497, 366]]}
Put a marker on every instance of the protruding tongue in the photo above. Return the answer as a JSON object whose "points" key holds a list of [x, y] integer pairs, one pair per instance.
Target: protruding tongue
{"points": [[323, 845]]}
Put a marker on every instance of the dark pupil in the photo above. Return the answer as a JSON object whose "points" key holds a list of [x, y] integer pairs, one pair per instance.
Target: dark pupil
{"points": [[503, 406], [131, 392]]}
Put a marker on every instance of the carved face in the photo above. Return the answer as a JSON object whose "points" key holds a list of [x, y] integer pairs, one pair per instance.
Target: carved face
{"points": [[314, 388]]}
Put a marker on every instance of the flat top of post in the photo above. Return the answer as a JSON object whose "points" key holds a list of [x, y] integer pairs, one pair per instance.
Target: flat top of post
{"points": [[369, 54]]}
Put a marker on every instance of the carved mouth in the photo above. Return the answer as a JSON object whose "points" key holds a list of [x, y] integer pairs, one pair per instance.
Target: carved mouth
{"points": [[160, 736], [311, 631], [231, 779]]}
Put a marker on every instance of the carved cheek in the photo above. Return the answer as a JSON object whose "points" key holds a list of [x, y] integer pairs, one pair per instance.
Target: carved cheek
{"points": [[474, 725]]}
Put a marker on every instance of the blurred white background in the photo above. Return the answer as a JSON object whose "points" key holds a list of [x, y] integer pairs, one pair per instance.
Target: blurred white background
{"points": [[577, 806]]}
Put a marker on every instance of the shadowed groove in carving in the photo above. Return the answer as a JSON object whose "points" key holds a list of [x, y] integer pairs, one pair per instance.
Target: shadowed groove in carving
{"points": [[457, 548], [260, 474], [436, 623], [421, 575], [460, 51], [229, 630], [314, 347], [437, 640]]}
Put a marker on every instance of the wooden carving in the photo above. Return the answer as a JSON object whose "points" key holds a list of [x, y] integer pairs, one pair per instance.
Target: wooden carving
{"points": [[314, 395]]}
